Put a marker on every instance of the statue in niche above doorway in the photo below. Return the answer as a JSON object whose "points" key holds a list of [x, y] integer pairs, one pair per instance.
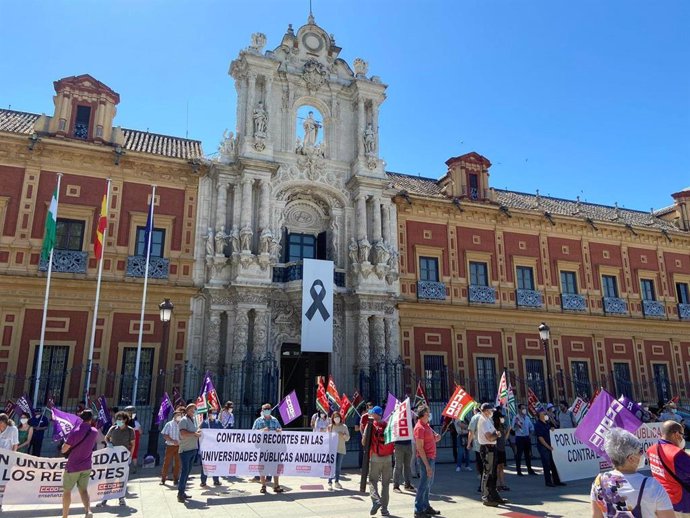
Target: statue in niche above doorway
{"points": [[311, 130]]}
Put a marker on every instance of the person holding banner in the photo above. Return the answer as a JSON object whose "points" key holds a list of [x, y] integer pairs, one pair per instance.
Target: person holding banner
{"points": [[189, 444], [337, 426], [78, 448], [40, 424], [267, 423], [171, 435], [210, 423], [671, 466], [120, 434], [524, 428], [227, 418], [623, 491], [543, 432]]}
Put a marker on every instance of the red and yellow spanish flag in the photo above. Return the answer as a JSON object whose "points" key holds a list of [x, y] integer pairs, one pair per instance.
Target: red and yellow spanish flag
{"points": [[100, 230]]}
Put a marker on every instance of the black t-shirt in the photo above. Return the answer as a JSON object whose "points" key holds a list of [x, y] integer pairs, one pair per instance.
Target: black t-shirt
{"points": [[542, 429]]}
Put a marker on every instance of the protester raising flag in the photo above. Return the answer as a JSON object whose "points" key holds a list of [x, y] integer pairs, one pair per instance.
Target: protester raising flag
{"points": [[208, 391], [332, 393], [502, 395], [420, 396], [346, 407], [399, 426], [460, 405], [605, 413], [390, 407], [164, 410], [533, 403], [579, 409], [321, 398], [289, 408]]}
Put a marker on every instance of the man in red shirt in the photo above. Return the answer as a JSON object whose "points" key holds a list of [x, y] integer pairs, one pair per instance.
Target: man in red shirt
{"points": [[671, 466], [380, 462], [425, 440]]}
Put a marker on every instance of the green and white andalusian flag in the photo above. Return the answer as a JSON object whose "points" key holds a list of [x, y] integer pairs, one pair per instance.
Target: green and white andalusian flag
{"points": [[51, 224]]}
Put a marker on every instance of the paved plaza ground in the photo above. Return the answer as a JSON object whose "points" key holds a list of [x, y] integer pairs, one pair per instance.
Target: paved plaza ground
{"points": [[454, 494]]}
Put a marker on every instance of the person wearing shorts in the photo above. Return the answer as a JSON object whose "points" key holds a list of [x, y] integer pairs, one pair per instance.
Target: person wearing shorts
{"points": [[79, 444]]}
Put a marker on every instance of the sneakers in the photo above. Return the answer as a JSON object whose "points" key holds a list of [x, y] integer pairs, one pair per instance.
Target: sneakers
{"points": [[397, 489], [204, 484], [217, 483], [431, 511], [409, 487], [385, 512], [122, 502], [338, 486], [374, 508], [467, 468], [490, 503], [181, 499], [458, 469], [102, 503], [330, 484]]}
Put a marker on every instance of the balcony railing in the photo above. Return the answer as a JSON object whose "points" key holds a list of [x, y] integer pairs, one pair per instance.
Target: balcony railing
{"points": [[66, 261], [159, 267], [653, 308], [482, 294], [684, 311], [528, 298], [615, 306], [293, 272], [573, 302], [431, 290]]}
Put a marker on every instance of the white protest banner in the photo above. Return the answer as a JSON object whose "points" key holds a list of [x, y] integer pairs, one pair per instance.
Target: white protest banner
{"points": [[575, 460], [317, 306], [25, 479], [255, 452]]}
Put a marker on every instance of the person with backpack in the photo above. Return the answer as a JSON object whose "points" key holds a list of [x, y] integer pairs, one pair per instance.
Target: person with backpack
{"points": [[623, 491], [380, 462], [671, 466]]}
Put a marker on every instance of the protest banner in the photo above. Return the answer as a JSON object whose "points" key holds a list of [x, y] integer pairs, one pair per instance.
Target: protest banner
{"points": [[576, 460], [254, 452], [25, 479]]}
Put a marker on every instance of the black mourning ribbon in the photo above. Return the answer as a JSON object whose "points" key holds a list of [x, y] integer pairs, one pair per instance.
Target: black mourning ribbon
{"points": [[317, 305]]}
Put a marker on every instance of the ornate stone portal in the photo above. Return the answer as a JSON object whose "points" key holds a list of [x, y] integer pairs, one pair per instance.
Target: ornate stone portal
{"points": [[329, 192]]}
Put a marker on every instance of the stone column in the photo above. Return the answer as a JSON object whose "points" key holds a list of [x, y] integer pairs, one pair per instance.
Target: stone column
{"points": [[386, 223], [379, 337], [361, 209], [260, 334], [375, 124], [392, 336], [376, 209], [267, 103], [246, 231], [221, 206], [264, 209], [250, 105], [236, 205], [239, 350], [393, 210], [363, 359], [212, 353], [361, 123]]}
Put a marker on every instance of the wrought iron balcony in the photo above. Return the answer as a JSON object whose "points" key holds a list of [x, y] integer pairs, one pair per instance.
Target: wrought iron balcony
{"points": [[573, 302], [482, 294], [653, 308], [431, 290], [474, 193], [66, 261], [159, 267], [293, 272], [528, 298], [684, 311], [615, 306]]}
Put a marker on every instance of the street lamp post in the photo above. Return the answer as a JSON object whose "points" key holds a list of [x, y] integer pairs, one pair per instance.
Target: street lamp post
{"points": [[545, 335], [166, 310]]}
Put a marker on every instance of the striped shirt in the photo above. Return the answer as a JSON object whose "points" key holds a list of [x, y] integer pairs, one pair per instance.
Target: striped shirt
{"points": [[172, 429]]}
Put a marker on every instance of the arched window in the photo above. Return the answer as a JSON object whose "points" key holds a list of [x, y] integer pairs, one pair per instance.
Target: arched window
{"points": [[309, 127]]}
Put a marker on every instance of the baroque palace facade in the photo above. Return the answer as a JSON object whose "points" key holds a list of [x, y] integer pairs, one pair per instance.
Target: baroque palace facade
{"points": [[80, 142], [483, 267]]}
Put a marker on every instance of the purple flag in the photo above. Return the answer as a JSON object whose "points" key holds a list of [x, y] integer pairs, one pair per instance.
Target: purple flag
{"points": [[289, 408], [390, 406], [104, 418], [605, 413], [64, 423], [165, 409], [634, 408], [23, 404]]}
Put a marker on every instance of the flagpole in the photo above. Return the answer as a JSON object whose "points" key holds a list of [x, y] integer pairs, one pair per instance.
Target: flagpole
{"points": [[143, 299], [98, 293], [39, 360]]}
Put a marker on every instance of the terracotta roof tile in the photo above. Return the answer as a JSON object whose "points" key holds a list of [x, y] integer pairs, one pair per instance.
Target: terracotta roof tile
{"points": [[420, 186], [140, 141]]}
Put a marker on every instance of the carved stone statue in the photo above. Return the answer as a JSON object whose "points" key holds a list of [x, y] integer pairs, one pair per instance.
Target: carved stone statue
{"points": [[353, 250], [381, 254], [258, 42], [260, 119], [265, 241], [361, 67], [276, 249], [335, 241], [364, 248], [235, 240], [393, 259], [369, 140], [246, 239], [227, 146], [311, 130], [210, 243], [220, 240]]}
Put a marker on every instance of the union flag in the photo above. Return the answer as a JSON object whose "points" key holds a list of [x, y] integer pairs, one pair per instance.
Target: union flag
{"points": [[321, 398]]}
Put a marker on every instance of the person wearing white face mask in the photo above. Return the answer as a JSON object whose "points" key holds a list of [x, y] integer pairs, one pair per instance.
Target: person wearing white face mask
{"points": [[120, 435], [171, 434], [543, 432], [337, 426], [267, 423], [26, 432], [524, 428], [211, 423], [671, 466], [670, 413]]}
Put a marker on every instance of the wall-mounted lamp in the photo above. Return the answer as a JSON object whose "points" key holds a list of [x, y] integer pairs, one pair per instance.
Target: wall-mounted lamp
{"points": [[590, 222], [195, 163], [118, 151], [549, 217], [505, 211], [33, 140], [456, 202], [406, 196]]}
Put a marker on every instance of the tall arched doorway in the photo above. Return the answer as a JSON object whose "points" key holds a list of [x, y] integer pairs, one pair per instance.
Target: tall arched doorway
{"points": [[299, 371]]}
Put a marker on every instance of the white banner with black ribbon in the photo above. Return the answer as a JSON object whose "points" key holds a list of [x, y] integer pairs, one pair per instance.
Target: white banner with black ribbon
{"points": [[317, 306]]}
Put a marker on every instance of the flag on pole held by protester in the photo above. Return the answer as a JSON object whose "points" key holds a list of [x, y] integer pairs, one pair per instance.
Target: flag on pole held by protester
{"points": [[177, 397], [289, 408], [164, 410], [104, 417], [346, 407], [606, 412], [460, 405], [579, 409], [512, 404], [321, 397], [635, 408], [23, 404], [390, 406], [675, 400], [420, 396], [502, 395], [201, 405], [50, 228], [9, 407], [101, 228], [399, 426], [357, 400], [64, 423], [533, 403], [208, 391], [332, 392]]}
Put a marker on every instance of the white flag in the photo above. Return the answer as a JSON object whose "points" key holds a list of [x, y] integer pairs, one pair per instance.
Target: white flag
{"points": [[399, 426]]}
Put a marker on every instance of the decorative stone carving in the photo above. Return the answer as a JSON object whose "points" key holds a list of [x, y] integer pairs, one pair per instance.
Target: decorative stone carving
{"points": [[311, 130], [381, 254], [246, 239], [314, 75], [363, 342], [260, 120], [239, 352], [379, 337], [361, 67], [275, 250], [220, 239], [353, 251], [265, 241], [228, 148], [369, 140], [305, 216], [212, 353], [235, 240], [311, 159], [335, 240], [210, 243], [258, 42], [364, 248], [260, 334]]}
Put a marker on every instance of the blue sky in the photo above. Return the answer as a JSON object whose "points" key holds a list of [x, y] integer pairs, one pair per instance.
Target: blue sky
{"points": [[584, 98]]}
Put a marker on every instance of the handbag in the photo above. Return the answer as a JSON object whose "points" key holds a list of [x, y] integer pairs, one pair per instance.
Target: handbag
{"points": [[66, 454]]}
